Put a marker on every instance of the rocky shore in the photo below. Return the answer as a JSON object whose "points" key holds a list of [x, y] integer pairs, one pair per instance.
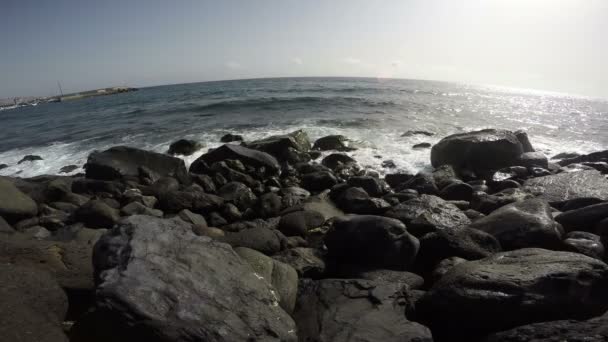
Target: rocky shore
{"points": [[283, 239]]}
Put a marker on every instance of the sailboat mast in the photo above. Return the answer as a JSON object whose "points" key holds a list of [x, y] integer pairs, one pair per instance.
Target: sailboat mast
{"points": [[59, 85]]}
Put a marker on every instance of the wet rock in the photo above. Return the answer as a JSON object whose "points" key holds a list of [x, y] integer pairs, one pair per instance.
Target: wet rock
{"points": [[585, 243], [3, 166], [192, 218], [524, 286], [533, 159], [33, 305], [286, 147], [443, 267], [522, 224], [388, 164], [136, 208], [269, 205], [373, 241], [318, 181], [600, 156], [413, 133], [478, 151], [281, 276], [569, 185], [231, 138], [198, 202], [395, 180], [299, 222], [308, 262], [97, 214], [184, 147], [335, 161], [261, 239], [522, 136], [293, 196], [357, 201], [593, 330], [29, 158], [373, 186], [444, 175], [343, 310], [428, 213], [247, 156], [412, 280], [239, 194], [423, 183], [486, 204], [14, 204], [421, 146], [320, 203], [458, 191], [466, 243], [584, 218], [180, 294], [126, 162], [68, 169], [5, 227], [333, 143]]}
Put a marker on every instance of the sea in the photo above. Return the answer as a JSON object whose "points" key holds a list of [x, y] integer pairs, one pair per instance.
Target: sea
{"points": [[373, 113]]}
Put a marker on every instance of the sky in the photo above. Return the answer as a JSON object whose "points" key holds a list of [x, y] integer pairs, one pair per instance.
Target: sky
{"points": [[554, 45]]}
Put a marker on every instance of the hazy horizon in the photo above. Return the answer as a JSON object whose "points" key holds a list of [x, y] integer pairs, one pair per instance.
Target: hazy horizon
{"points": [[548, 45]]}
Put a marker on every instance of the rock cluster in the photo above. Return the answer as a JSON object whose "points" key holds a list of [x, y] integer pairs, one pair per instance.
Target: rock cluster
{"points": [[257, 241]]}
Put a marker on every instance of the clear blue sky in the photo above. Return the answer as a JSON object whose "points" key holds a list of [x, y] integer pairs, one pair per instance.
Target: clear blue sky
{"points": [[556, 45]]}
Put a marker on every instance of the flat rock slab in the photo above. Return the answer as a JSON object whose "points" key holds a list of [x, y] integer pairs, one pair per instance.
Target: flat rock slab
{"points": [[569, 185], [514, 288], [157, 281], [341, 310]]}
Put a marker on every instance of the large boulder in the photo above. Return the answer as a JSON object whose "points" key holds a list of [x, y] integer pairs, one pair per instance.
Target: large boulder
{"points": [[569, 185], [522, 224], [466, 243], [239, 194], [195, 201], [261, 239], [333, 142], [179, 292], [127, 162], [478, 151], [357, 201], [428, 213], [593, 330], [97, 214], [373, 241], [245, 155], [308, 262], [514, 288], [283, 147], [281, 276], [32, 304], [299, 222], [184, 147], [600, 156], [584, 218], [14, 204], [341, 310]]}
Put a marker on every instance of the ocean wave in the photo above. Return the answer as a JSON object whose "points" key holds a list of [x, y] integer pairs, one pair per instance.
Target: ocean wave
{"points": [[290, 102]]}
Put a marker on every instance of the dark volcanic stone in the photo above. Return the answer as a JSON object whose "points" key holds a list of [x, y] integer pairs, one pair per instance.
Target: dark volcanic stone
{"points": [[569, 185], [261, 239], [421, 146], [97, 214], [593, 330], [585, 243], [283, 147], [333, 142], [190, 289], [428, 213], [514, 288], [29, 158], [231, 138], [198, 202], [457, 192], [184, 147], [478, 151], [121, 161], [341, 310], [335, 160], [14, 204], [3, 166], [68, 168], [357, 201], [531, 159], [522, 224], [308, 262], [424, 183], [395, 180], [466, 243], [584, 218], [601, 156], [318, 181], [371, 241], [239, 194], [33, 305], [245, 155], [299, 222], [413, 133], [269, 205], [375, 187]]}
